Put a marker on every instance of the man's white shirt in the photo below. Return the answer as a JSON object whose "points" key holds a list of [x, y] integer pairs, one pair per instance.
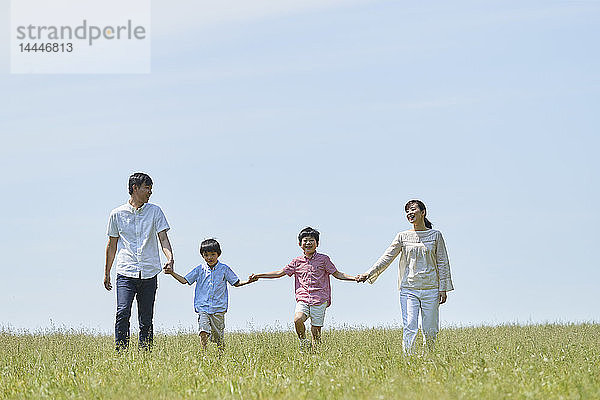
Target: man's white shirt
{"points": [[137, 247]]}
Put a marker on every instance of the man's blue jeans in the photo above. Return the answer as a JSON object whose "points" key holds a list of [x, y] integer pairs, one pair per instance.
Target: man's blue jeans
{"points": [[144, 290]]}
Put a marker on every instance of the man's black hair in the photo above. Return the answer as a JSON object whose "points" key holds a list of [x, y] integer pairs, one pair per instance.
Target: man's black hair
{"points": [[308, 232], [210, 246], [138, 179]]}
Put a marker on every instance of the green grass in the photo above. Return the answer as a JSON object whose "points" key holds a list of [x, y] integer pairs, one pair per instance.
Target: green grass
{"points": [[520, 362]]}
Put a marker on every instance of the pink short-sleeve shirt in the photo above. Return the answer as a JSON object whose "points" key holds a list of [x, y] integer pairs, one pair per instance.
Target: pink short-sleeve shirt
{"points": [[312, 278]]}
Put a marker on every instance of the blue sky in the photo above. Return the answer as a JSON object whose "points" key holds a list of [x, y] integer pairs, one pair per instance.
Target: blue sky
{"points": [[258, 121]]}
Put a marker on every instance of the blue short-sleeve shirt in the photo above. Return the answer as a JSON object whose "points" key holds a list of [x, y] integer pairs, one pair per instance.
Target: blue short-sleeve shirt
{"points": [[211, 287]]}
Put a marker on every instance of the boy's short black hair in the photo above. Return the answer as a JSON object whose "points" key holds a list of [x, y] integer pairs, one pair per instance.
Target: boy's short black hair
{"points": [[308, 232], [210, 246], [138, 179]]}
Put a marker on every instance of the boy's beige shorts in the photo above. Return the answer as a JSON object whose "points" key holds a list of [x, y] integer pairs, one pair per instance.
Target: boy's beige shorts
{"points": [[315, 313], [213, 324]]}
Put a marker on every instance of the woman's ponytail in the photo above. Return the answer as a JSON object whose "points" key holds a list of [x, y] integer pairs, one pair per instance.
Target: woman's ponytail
{"points": [[428, 223]]}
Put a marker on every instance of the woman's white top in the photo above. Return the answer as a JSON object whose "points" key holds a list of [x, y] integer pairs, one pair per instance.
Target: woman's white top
{"points": [[423, 261]]}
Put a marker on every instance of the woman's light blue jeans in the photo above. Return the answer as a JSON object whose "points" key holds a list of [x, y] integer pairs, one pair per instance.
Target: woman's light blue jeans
{"points": [[425, 302]]}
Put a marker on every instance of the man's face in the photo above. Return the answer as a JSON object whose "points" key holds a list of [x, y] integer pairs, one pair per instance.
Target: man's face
{"points": [[142, 193], [308, 245], [211, 258]]}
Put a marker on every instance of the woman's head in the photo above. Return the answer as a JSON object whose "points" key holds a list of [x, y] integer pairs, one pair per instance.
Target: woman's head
{"points": [[416, 211]]}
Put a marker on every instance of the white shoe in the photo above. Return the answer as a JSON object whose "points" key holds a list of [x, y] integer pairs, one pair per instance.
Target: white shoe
{"points": [[305, 344]]}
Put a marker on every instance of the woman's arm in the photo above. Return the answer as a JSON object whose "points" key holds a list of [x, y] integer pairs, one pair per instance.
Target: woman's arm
{"points": [[443, 266], [384, 261]]}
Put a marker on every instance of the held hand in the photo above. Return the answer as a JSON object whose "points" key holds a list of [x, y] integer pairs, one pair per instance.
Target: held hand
{"points": [[361, 277], [168, 268], [443, 297], [252, 278], [107, 284]]}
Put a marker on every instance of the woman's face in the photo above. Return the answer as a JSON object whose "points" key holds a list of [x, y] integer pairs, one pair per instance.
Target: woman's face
{"points": [[415, 215]]}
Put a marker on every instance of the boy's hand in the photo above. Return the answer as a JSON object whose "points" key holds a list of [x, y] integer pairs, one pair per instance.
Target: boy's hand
{"points": [[361, 277], [168, 269], [252, 278]]}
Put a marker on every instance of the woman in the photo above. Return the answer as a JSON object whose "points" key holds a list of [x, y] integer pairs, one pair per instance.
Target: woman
{"points": [[424, 275]]}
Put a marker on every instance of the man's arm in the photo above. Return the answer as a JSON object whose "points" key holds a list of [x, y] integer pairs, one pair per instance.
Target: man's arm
{"points": [[166, 248], [343, 277], [274, 274], [111, 251]]}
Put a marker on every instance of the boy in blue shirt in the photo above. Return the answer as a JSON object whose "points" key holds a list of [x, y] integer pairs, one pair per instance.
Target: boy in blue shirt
{"points": [[211, 297]]}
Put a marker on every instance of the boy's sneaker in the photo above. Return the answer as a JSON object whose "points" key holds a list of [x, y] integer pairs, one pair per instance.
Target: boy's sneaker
{"points": [[305, 344]]}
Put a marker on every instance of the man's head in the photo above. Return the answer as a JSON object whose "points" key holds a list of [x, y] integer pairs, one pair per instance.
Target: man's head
{"points": [[138, 179], [210, 251], [308, 240], [140, 187]]}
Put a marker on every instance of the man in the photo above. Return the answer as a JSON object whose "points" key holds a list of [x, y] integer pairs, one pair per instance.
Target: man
{"points": [[132, 232]]}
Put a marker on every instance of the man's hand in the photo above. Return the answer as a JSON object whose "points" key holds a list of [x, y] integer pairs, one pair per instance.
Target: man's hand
{"points": [[111, 250], [168, 268], [361, 277], [443, 297], [252, 278]]}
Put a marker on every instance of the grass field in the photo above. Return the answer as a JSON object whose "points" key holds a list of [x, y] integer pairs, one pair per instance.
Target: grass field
{"points": [[517, 362]]}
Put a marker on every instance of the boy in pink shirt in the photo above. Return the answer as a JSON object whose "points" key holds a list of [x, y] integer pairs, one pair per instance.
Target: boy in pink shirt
{"points": [[313, 291]]}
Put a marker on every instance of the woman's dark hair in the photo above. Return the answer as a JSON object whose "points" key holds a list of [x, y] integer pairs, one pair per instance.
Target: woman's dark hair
{"points": [[138, 179], [308, 232], [210, 246], [421, 206]]}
